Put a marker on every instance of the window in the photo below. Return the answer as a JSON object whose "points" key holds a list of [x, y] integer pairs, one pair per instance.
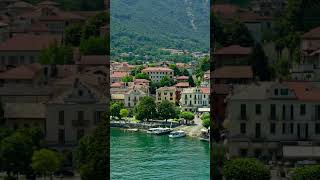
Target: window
{"points": [[276, 92], [61, 136], [273, 112], [98, 115], [258, 109], [21, 59], [317, 128], [291, 112], [257, 153], [243, 128], [283, 128], [243, 112], [317, 112], [80, 116], [258, 130], [80, 93], [302, 109], [272, 128], [61, 117], [80, 134], [243, 152], [284, 92], [283, 112], [291, 128]]}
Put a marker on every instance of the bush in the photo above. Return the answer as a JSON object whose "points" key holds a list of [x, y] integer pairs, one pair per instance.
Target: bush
{"points": [[245, 169], [307, 173]]}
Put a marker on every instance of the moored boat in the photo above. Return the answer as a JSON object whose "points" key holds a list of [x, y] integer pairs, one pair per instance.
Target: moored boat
{"points": [[177, 134], [159, 131]]}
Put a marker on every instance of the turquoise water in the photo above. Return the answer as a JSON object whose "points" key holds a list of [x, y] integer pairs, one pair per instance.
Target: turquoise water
{"points": [[138, 155]]}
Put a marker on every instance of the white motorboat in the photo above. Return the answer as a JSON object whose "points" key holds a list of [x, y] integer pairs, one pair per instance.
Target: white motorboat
{"points": [[159, 131], [177, 134]]}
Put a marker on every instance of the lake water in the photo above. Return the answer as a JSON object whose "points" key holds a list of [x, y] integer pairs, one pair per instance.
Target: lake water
{"points": [[138, 155]]}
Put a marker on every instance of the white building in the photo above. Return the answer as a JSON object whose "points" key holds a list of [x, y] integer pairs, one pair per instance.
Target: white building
{"points": [[265, 118], [157, 73], [194, 98], [132, 97]]}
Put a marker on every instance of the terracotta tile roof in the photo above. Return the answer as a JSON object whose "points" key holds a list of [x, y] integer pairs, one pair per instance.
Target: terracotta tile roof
{"points": [[54, 13], [313, 33], [93, 60], [171, 88], [304, 91], [233, 72], [21, 4], [205, 90], [22, 42], [117, 74], [48, 3], [233, 50], [157, 69], [116, 85], [182, 84], [182, 78], [141, 81], [22, 72]]}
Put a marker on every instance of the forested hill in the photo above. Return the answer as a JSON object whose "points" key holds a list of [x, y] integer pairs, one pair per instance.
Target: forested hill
{"points": [[144, 25]]}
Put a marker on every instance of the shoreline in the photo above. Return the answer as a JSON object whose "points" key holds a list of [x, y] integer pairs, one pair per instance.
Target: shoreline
{"points": [[191, 130]]}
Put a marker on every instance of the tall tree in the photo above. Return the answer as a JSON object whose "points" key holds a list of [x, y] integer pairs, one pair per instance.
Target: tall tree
{"points": [[45, 162], [166, 110], [145, 109], [259, 62]]}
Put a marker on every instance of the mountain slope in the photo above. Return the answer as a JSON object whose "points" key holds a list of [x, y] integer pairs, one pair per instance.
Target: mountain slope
{"points": [[142, 25]]}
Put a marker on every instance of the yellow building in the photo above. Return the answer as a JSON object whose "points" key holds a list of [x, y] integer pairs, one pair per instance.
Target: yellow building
{"points": [[166, 93]]}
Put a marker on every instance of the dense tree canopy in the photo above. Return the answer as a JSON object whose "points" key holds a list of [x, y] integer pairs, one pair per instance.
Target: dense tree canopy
{"points": [[245, 169], [146, 109]]}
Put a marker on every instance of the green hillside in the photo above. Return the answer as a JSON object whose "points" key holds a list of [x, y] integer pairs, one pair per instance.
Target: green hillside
{"points": [[142, 26]]}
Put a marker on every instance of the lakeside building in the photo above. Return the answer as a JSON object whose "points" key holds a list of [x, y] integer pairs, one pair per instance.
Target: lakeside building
{"points": [[232, 75], [274, 120], [256, 23], [132, 97], [166, 93], [308, 69], [18, 51], [157, 73], [231, 55], [193, 98]]}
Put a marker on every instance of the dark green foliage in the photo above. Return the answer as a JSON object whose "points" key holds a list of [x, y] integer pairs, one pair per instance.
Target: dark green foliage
{"points": [[307, 173], [115, 110], [94, 46], [92, 26], [259, 63], [166, 81], [245, 169], [166, 110], [144, 26], [16, 152], [237, 33], [142, 76], [92, 154], [145, 109], [56, 54], [191, 81], [127, 79], [73, 35], [202, 66]]}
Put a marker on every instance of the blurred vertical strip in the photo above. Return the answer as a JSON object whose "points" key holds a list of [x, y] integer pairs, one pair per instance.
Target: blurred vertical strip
{"points": [[215, 126]]}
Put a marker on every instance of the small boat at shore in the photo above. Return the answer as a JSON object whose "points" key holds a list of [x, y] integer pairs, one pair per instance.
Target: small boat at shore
{"points": [[133, 130], [204, 139], [177, 134], [159, 131]]}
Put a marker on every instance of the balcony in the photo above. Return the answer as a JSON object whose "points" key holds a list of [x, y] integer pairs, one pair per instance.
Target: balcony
{"points": [[80, 123]]}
